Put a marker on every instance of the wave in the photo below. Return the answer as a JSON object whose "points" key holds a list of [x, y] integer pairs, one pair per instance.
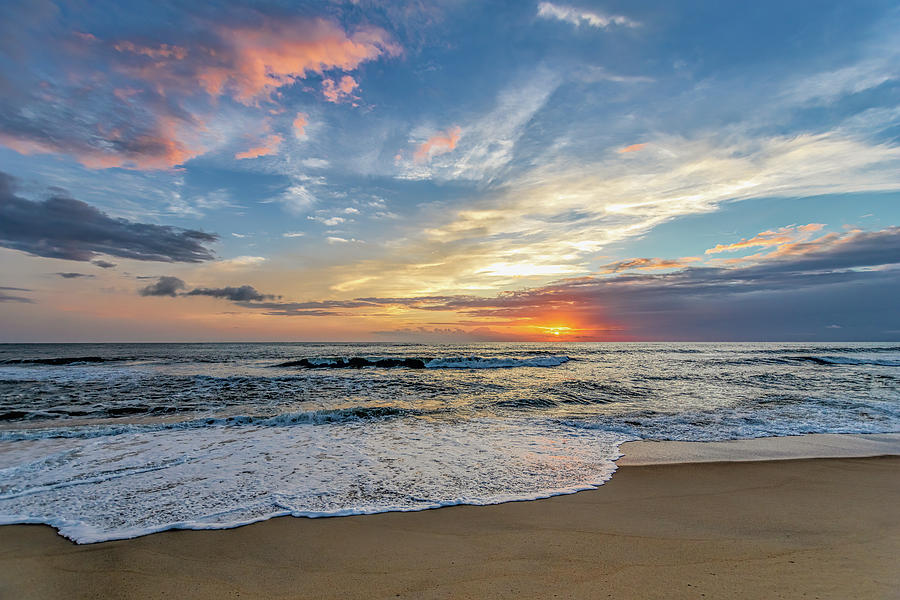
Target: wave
{"points": [[846, 360], [452, 362], [61, 360], [313, 417]]}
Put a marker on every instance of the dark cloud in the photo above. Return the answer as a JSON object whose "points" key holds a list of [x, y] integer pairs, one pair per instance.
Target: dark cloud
{"points": [[164, 286], [103, 264], [4, 297], [244, 293], [62, 227], [173, 286], [74, 275]]}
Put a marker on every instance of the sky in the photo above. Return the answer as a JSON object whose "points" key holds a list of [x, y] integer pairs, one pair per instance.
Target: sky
{"points": [[449, 171]]}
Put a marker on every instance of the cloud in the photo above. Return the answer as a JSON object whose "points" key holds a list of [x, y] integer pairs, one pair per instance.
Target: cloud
{"points": [[240, 262], [329, 221], [847, 277], [490, 140], [632, 148], [153, 105], [579, 17], [268, 53], [268, 146], [173, 286], [300, 122], [74, 275], [293, 234], [250, 60], [440, 143], [315, 163], [103, 264], [164, 286], [767, 239], [297, 198], [62, 227], [821, 282], [4, 297], [562, 213], [648, 264], [244, 293], [342, 91], [146, 141]]}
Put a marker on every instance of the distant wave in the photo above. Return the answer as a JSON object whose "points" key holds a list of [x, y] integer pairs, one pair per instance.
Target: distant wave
{"points": [[453, 362], [846, 360], [62, 360], [827, 361]]}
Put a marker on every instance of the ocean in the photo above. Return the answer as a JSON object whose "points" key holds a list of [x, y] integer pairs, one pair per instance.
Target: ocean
{"points": [[111, 441]]}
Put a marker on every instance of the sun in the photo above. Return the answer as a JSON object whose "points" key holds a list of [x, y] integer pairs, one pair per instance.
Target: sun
{"points": [[556, 330]]}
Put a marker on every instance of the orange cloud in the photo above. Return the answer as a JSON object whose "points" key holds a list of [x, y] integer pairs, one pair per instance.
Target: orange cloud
{"points": [[632, 148], [440, 143], [264, 57], [337, 92], [300, 124], [269, 146], [767, 239]]}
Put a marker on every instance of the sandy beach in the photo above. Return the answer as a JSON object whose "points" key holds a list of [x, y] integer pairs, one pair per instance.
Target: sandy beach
{"points": [[803, 528]]}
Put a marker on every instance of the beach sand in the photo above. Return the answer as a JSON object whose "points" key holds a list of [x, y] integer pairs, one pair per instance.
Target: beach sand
{"points": [[807, 528]]}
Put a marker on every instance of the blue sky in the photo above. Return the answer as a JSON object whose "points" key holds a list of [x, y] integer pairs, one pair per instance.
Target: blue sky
{"points": [[375, 170]]}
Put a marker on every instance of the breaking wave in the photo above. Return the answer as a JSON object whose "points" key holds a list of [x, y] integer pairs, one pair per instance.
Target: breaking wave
{"points": [[313, 417]]}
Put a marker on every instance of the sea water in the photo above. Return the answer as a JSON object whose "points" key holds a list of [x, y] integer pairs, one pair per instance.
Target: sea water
{"points": [[113, 441]]}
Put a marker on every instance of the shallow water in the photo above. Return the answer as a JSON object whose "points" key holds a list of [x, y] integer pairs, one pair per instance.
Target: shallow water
{"points": [[118, 440]]}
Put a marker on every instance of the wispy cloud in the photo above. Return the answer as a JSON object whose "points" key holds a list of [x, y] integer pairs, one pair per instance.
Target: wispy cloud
{"points": [[579, 16], [269, 145], [648, 264], [5, 297], [632, 148]]}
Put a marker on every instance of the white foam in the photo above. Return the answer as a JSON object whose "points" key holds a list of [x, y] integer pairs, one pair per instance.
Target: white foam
{"points": [[128, 485]]}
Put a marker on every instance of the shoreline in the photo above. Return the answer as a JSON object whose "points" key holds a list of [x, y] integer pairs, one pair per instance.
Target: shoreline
{"points": [[740, 528], [792, 447]]}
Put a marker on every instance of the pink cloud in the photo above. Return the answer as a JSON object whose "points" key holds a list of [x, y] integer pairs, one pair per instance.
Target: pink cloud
{"points": [[632, 148], [259, 59], [157, 149], [300, 123], [440, 143], [341, 91], [269, 146]]}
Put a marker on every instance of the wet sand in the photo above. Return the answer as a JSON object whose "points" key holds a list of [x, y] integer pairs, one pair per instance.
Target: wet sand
{"points": [[811, 528]]}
